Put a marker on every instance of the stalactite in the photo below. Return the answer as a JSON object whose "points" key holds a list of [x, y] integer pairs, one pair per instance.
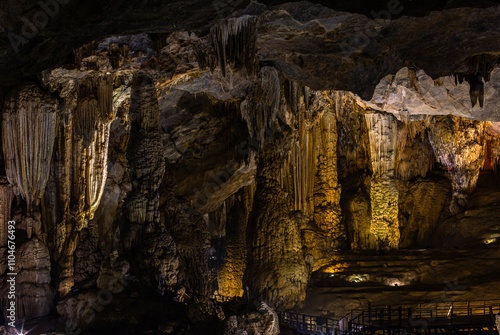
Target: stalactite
{"points": [[309, 175], [29, 129], [382, 130], [479, 68], [383, 134], [353, 148], [300, 165], [294, 92], [260, 108], [233, 42], [493, 146], [459, 145], [80, 167], [414, 155]]}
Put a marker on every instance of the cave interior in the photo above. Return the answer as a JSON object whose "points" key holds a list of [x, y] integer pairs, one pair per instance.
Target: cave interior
{"points": [[249, 167]]}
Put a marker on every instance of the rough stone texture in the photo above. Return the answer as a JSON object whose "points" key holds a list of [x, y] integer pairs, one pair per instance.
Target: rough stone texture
{"points": [[204, 309], [145, 163], [291, 170], [34, 296], [422, 205], [309, 174], [382, 130], [459, 145], [265, 321], [230, 275], [358, 220], [276, 270], [478, 224], [399, 95], [160, 261]]}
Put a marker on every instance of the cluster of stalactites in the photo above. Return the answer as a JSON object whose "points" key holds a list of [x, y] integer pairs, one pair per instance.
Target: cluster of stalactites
{"points": [[91, 123], [479, 68], [294, 92], [382, 130], [233, 42], [29, 130], [298, 171], [260, 107], [80, 166], [414, 155]]}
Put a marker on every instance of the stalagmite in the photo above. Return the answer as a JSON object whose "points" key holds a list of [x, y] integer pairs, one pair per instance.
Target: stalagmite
{"points": [[276, 269], [382, 130], [478, 72], [29, 129], [144, 156], [230, 275]]}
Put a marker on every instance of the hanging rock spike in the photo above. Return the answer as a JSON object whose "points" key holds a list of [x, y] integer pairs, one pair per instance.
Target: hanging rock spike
{"points": [[233, 42], [29, 130]]}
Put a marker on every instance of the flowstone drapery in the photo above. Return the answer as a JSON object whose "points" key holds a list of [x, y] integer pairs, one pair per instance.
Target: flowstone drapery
{"points": [[79, 171]]}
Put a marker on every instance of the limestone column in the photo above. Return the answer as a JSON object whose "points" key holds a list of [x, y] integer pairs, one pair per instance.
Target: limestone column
{"points": [[382, 129]]}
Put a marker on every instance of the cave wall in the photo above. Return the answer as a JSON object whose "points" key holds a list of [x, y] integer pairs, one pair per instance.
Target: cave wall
{"points": [[142, 149]]}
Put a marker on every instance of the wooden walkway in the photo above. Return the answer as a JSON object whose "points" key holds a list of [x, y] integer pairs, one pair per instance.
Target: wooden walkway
{"points": [[443, 318]]}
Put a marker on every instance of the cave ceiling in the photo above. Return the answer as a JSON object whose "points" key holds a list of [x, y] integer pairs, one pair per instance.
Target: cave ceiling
{"points": [[354, 46]]}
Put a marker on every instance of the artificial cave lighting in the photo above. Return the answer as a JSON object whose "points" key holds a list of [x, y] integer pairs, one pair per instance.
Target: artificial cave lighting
{"points": [[249, 167], [336, 268], [357, 278], [395, 282], [490, 240]]}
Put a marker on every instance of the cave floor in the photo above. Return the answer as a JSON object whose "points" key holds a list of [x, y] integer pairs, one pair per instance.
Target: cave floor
{"points": [[404, 277]]}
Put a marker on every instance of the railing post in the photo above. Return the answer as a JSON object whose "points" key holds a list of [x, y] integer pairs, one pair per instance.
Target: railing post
{"points": [[369, 313], [451, 321], [389, 314], [400, 315]]}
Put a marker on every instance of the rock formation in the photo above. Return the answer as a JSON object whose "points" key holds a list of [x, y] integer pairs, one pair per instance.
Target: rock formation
{"points": [[28, 133], [382, 129], [202, 153]]}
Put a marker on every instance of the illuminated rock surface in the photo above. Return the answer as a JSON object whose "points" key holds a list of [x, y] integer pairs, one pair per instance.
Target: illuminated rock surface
{"points": [[169, 164]]}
